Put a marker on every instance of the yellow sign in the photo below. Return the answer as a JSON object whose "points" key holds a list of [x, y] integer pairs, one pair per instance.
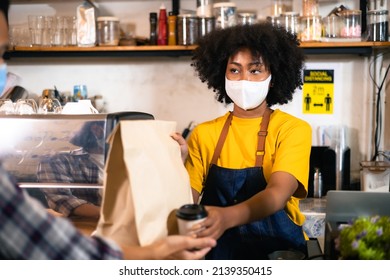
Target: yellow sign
{"points": [[318, 91]]}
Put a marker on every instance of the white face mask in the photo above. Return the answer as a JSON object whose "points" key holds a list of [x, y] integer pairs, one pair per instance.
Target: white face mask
{"points": [[246, 94]]}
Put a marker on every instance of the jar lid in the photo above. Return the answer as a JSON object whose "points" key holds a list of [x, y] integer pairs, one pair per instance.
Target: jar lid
{"points": [[247, 14], [107, 19], [331, 16], [311, 18], [206, 17], [187, 16], [351, 12], [378, 12], [224, 4], [290, 14]]}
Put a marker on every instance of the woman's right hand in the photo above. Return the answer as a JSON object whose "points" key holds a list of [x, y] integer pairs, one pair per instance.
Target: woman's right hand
{"points": [[216, 223]]}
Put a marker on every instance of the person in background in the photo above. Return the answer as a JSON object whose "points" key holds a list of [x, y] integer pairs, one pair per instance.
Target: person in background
{"points": [[28, 231], [81, 166], [251, 165]]}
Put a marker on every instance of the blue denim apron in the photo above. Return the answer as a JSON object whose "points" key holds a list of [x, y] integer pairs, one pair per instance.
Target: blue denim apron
{"points": [[225, 187]]}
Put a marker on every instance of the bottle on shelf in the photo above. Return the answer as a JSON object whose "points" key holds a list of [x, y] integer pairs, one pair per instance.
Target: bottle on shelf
{"points": [[153, 28], [162, 33], [172, 29]]}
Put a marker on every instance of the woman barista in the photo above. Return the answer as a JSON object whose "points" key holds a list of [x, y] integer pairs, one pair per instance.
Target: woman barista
{"points": [[252, 164]]}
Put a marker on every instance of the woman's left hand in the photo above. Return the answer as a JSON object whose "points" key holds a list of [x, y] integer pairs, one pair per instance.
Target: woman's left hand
{"points": [[182, 143], [216, 223]]}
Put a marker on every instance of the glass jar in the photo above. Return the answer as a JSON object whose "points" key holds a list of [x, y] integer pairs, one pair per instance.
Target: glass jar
{"points": [[225, 14], [281, 6], [108, 31], [204, 8], [247, 18], [378, 25], [331, 26], [351, 24], [290, 21], [311, 28], [274, 20], [309, 8]]}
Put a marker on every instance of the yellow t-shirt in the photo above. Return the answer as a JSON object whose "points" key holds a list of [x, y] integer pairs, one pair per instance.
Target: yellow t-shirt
{"points": [[287, 148]]}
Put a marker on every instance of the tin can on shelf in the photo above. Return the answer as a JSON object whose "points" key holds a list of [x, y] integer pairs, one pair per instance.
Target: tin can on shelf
{"points": [[206, 24], [187, 29]]}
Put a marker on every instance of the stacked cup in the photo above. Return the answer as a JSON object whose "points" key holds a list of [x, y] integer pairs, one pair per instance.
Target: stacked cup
{"points": [[52, 30]]}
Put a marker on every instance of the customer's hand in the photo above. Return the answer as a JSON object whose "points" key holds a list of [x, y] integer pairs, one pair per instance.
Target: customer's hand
{"points": [[183, 247], [172, 247], [182, 143]]}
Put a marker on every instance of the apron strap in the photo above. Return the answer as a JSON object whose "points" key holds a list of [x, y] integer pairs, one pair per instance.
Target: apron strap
{"points": [[261, 137], [221, 139], [260, 143]]}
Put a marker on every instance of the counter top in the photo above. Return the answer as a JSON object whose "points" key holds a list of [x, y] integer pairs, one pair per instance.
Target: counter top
{"points": [[85, 225]]}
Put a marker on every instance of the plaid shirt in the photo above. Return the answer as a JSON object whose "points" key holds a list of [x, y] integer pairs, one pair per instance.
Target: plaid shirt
{"points": [[69, 168], [28, 231]]}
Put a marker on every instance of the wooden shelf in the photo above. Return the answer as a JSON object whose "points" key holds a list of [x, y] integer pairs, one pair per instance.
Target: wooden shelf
{"points": [[114, 51], [358, 48]]}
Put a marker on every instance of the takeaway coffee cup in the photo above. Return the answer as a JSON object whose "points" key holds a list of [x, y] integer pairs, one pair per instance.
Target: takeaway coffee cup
{"points": [[189, 215]]}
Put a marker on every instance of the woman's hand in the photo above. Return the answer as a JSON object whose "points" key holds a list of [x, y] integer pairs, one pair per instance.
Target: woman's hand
{"points": [[182, 143], [216, 223]]}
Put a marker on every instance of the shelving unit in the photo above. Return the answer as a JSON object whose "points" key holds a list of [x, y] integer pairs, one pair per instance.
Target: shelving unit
{"points": [[358, 48]]}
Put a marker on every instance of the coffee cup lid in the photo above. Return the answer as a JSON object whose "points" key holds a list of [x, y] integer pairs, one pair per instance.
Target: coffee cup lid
{"points": [[191, 212]]}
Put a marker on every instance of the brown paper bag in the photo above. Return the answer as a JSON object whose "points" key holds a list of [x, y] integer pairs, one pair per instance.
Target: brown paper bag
{"points": [[145, 181]]}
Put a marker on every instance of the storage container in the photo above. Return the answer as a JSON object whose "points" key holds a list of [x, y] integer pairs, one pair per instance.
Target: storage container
{"points": [[108, 31], [225, 14], [351, 24], [311, 28], [290, 21], [378, 25], [331, 25], [375, 176], [187, 29]]}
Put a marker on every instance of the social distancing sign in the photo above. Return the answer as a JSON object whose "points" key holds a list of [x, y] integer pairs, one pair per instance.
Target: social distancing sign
{"points": [[318, 91]]}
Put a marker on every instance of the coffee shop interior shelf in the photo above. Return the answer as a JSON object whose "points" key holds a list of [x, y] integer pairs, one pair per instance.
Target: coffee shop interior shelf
{"points": [[358, 48]]}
